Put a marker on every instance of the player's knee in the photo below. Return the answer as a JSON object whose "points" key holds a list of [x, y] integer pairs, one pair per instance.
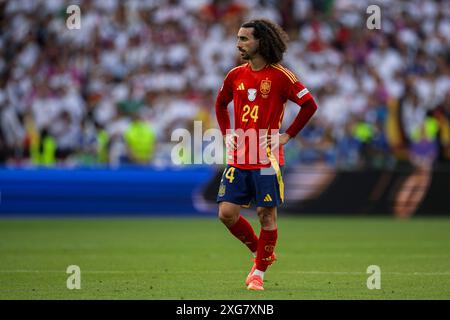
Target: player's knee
{"points": [[227, 217], [267, 217]]}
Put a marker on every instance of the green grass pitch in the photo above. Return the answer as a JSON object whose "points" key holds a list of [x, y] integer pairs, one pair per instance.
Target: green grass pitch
{"points": [[194, 258]]}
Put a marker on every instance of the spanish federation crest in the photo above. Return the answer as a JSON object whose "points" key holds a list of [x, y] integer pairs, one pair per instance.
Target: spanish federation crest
{"points": [[265, 87], [251, 94], [222, 190]]}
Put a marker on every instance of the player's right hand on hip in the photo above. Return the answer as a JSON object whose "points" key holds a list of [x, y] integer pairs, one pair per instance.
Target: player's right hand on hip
{"points": [[231, 141]]}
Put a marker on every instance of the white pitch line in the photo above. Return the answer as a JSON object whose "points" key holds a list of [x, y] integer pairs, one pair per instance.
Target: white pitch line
{"points": [[232, 272]]}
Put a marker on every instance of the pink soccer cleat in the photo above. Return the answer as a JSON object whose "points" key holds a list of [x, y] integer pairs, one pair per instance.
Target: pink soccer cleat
{"points": [[255, 283], [270, 260]]}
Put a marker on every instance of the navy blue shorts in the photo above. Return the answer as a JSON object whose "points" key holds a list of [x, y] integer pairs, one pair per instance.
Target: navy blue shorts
{"points": [[263, 187]]}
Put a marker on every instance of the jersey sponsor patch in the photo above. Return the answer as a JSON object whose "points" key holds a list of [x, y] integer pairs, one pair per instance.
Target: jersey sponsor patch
{"points": [[302, 93]]}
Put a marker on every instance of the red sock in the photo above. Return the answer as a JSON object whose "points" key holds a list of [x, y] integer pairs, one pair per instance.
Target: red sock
{"points": [[266, 245], [243, 230]]}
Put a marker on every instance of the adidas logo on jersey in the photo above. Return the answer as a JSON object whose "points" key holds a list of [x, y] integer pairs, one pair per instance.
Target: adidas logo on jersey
{"points": [[241, 86]]}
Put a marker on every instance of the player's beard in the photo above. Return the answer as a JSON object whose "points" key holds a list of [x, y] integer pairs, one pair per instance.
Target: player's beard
{"points": [[246, 55]]}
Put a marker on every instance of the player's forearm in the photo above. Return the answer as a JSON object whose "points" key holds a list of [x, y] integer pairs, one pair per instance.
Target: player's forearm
{"points": [[223, 117], [306, 112]]}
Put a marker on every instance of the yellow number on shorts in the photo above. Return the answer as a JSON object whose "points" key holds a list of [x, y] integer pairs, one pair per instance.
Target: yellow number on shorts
{"points": [[253, 113], [230, 174]]}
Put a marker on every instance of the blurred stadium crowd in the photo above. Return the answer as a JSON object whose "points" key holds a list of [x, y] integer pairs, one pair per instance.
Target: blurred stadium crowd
{"points": [[114, 90]]}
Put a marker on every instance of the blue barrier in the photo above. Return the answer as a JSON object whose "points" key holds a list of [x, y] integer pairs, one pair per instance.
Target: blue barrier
{"points": [[126, 190]]}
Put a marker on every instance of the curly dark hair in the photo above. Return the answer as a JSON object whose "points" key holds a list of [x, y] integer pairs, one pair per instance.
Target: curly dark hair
{"points": [[272, 39]]}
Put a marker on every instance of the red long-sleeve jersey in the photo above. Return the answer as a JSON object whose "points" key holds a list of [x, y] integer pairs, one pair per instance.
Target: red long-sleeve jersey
{"points": [[259, 99]]}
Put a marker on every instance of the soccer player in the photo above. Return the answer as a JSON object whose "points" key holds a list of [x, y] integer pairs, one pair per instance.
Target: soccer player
{"points": [[259, 89]]}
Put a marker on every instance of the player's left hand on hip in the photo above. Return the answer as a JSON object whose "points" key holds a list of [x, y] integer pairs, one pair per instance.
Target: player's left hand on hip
{"points": [[284, 138], [273, 141]]}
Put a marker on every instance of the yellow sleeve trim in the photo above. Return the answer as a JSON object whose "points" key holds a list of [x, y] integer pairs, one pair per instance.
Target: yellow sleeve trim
{"points": [[288, 73]]}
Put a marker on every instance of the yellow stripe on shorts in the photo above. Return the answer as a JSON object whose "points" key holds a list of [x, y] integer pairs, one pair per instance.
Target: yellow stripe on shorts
{"points": [[276, 167]]}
